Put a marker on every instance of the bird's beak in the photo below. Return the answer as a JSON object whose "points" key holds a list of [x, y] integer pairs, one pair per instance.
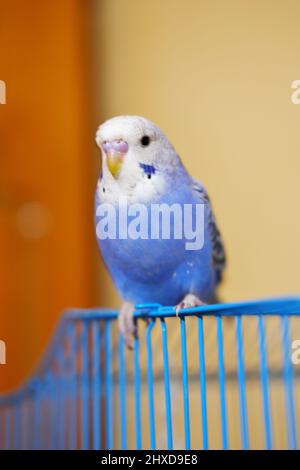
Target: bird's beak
{"points": [[114, 163], [115, 152]]}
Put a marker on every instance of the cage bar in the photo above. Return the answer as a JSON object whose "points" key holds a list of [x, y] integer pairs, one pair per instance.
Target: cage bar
{"points": [[108, 386], [122, 394], [222, 383], [242, 384], [265, 382], [167, 384], [202, 374], [150, 386]]}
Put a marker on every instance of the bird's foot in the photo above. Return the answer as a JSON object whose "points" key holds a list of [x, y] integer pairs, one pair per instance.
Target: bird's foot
{"points": [[127, 324], [189, 301]]}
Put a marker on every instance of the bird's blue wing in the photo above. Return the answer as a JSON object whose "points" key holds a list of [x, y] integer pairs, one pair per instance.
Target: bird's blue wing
{"points": [[218, 251]]}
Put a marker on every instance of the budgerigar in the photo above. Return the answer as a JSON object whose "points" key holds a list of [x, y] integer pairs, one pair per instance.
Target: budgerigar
{"points": [[140, 166]]}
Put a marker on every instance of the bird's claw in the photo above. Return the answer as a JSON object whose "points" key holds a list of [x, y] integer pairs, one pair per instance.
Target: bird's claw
{"points": [[127, 325], [189, 301]]}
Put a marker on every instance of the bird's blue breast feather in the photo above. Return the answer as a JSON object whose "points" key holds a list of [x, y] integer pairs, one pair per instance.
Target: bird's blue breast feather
{"points": [[161, 271]]}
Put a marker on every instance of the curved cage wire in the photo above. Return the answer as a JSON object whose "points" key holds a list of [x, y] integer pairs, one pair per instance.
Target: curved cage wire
{"points": [[217, 376]]}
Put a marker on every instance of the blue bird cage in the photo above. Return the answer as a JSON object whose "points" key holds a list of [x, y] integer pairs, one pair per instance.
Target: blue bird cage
{"points": [[217, 376]]}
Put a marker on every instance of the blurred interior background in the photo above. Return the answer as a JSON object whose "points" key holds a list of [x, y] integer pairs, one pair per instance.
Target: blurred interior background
{"points": [[215, 76]]}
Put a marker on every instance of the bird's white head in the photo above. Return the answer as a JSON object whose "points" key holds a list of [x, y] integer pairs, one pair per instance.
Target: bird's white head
{"points": [[134, 148]]}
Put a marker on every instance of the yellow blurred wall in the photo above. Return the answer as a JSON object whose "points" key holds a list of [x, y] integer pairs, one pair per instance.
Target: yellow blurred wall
{"points": [[216, 76]]}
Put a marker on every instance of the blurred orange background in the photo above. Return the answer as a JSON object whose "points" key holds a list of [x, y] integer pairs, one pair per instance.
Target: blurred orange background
{"points": [[47, 175], [215, 76]]}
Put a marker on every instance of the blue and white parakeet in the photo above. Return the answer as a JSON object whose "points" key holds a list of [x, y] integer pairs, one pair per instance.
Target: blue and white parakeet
{"points": [[141, 167]]}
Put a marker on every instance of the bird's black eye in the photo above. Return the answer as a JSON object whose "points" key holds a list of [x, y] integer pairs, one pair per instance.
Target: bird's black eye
{"points": [[145, 140], [149, 176]]}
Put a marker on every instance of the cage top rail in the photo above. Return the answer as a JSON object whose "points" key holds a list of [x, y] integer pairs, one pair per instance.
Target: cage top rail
{"points": [[277, 306]]}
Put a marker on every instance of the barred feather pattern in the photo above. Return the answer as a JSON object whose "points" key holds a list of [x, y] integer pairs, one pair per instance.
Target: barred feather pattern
{"points": [[218, 250]]}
